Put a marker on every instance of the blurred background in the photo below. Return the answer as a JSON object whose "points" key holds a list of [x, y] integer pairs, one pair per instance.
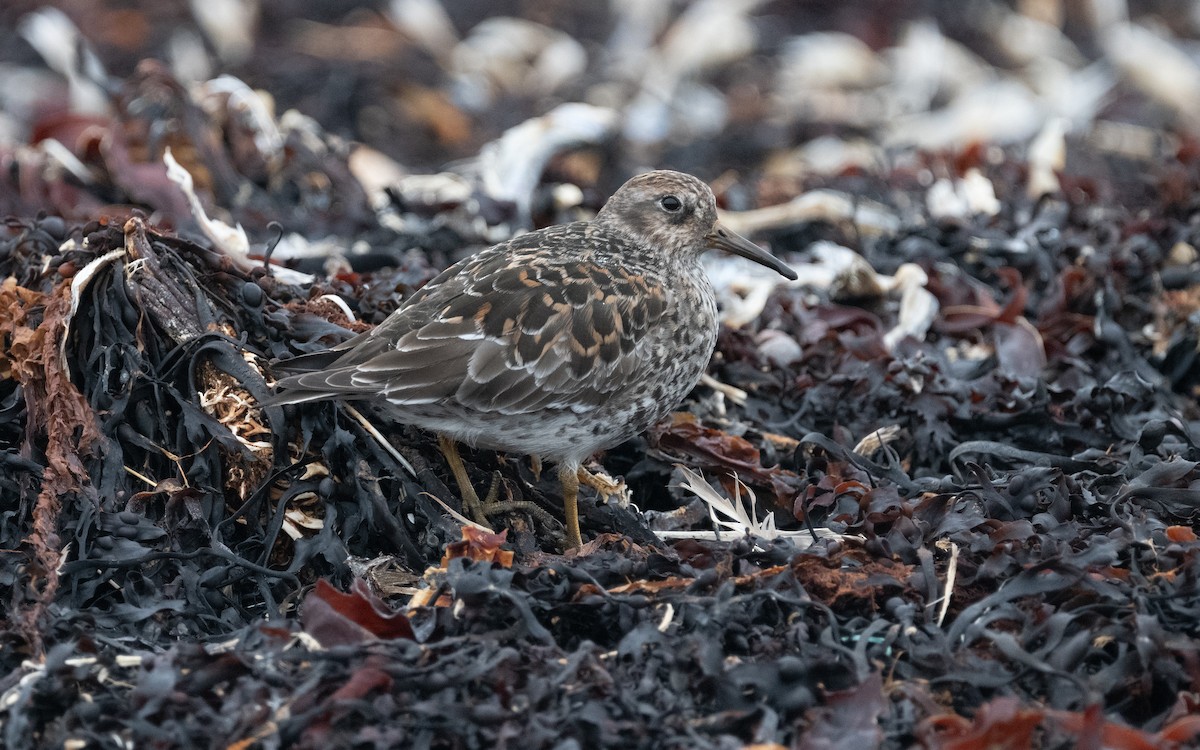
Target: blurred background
{"points": [[993, 208], [764, 98]]}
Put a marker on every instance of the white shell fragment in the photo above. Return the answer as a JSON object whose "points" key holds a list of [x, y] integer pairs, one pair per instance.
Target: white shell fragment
{"points": [[510, 167], [231, 240], [971, 195]]}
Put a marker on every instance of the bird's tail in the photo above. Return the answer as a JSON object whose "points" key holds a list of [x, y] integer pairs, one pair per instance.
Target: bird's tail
{"points": [[299, 378]]}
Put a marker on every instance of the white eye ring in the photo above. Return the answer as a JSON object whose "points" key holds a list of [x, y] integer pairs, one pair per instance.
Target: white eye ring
{"points": [[670, 203]]}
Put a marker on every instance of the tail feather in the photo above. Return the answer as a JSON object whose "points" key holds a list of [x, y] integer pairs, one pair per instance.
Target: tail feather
{"points": [[313, 362], [305, 379], [286, 398], [313, 377]]}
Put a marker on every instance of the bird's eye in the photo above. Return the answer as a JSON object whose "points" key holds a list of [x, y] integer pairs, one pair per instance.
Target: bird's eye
{"points": [[670, 203]]}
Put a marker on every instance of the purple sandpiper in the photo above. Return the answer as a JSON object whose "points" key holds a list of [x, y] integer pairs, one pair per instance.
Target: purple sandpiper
{"points": [[556, 344]]}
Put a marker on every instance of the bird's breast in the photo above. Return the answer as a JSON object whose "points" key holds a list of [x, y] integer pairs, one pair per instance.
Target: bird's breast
{"points": [[677, 354]]}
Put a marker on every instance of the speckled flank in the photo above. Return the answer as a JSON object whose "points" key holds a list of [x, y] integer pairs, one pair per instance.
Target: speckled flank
{"points": [[558, 343]]}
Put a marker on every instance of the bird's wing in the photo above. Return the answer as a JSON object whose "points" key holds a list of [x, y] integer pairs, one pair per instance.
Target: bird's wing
{"points": [[511, 330]]}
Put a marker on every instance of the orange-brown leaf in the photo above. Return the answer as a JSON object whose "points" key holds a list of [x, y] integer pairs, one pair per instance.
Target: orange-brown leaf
{"points": [[477, 544]]}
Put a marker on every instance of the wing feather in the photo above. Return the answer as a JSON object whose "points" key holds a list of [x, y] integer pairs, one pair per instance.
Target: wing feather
{"points": [[510, 330]]}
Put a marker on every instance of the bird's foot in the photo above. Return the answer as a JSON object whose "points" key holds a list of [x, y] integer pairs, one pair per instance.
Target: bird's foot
{"points": [[473, 508]]}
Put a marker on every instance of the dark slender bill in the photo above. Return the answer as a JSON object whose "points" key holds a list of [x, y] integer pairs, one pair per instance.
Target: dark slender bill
{"points": [[722, 238]]}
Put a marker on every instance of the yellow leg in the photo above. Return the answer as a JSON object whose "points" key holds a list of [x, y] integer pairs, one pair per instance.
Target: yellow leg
{"points": [[569, 476], [471, 504]]}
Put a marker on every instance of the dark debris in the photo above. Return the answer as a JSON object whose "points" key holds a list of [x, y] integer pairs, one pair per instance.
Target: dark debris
{"points": [[1019, 563]]}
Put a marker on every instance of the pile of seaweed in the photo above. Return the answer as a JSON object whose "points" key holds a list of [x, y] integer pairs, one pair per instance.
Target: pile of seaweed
{"points": [[976, 433]]}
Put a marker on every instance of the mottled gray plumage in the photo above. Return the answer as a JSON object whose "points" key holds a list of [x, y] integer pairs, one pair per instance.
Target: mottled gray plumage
{"points": [[558, 343]]}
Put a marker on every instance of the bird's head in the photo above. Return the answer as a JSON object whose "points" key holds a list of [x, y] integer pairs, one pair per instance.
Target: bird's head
{"points": [[676, 214]]}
